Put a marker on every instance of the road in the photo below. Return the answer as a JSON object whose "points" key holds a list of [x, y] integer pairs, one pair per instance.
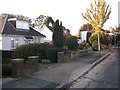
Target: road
{"points": [[104, 75]]}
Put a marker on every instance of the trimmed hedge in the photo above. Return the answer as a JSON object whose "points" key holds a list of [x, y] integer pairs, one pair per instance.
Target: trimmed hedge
{"points": [[71, 42], [36, 49], [52, 54]]}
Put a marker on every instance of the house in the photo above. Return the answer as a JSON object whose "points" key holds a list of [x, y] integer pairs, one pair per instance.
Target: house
{"points": [[48, 32], [15, 32], [83, 31]]}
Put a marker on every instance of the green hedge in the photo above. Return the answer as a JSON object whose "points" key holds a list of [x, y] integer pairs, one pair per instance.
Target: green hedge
{"points": [[71, 42], [32, 49], [52, 54]]}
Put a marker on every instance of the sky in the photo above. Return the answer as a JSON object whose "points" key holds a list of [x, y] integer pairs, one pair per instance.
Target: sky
{"points": [[67, 11]]}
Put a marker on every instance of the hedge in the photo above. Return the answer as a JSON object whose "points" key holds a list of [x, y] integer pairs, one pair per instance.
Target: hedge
{"points": [[52, 54], [32, 49], [71, 42]]}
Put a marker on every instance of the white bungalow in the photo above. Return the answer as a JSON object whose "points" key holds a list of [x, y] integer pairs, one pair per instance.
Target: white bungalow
{"points": [[15, 32]]}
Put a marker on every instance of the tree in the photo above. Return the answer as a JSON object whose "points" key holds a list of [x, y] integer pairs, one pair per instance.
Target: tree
{"points": [[61, 35], [48, 20], [55, 33], [97, 15], [58, 34], [38, 22]]}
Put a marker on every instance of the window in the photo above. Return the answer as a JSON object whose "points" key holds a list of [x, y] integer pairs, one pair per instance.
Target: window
{"points": [[20, 24], [28, 39]]}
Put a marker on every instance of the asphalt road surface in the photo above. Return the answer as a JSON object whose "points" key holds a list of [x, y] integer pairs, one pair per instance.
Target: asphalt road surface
{"points": [[104, 75]]}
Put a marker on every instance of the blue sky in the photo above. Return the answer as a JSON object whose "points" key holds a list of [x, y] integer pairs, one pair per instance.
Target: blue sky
{"points": [[67, 11]]}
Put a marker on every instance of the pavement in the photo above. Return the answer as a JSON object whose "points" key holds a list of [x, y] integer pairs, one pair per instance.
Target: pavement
{"points": [[54, 75]]}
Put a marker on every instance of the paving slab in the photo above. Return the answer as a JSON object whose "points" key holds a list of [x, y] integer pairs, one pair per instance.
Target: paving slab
{"points": [[29, 82]]}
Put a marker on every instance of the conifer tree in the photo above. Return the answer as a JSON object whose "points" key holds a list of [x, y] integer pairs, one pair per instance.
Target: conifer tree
{"points": [[58, 34]]}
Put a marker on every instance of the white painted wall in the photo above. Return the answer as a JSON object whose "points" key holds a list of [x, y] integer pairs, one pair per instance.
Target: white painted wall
{"points": [[21, 40], [83, 35], [42, 40], [5, 41], [47, 33]]}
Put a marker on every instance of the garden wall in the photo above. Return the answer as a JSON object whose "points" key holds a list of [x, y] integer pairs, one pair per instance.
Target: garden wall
{"points": [[71, 55], [21, 67]]}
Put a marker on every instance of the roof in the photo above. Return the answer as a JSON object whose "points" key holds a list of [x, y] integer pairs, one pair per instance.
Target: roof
{"points": [[86, 27], [10, 29]]}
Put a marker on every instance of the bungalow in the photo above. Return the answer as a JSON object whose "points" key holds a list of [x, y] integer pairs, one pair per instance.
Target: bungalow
{"points": [[15, 32]]}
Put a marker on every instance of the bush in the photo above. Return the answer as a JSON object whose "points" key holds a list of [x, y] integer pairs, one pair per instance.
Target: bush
{"points": [[71, 42], [36, 49], [52, 54], [92, 38], [103, 38], [89, 33], [95, 45], [84, 45], [6, 70]]}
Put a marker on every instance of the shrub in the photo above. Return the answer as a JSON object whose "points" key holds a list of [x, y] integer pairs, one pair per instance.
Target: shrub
{"points": [[89, 33], [71, 42], [84, 45], [32, 49], [103, 38], [95, 45], [6, 70], [92, 38], [52, 54]]}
